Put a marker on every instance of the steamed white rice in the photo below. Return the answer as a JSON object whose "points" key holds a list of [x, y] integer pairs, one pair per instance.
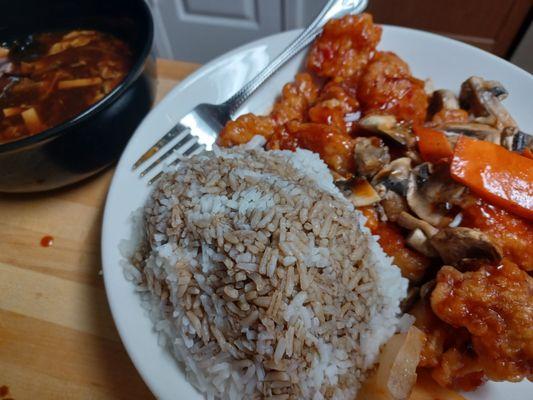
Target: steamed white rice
{"points": [[261, 278]]}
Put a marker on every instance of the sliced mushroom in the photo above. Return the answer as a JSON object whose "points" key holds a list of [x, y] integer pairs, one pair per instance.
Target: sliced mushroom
{"points": [[410, 222], [443, 99], [387, 126], [430, 195], [371, 155], [515, 140], [394, 176], [423, 172], [418, 240], [427, 288], [496, 88], [359, 192], [456, 220], [363, 194], [455, 245], [472, 129], [482, 98], [508, 137], [413, 294], [423, 206], [338, 179], [393, 205], [486, 120], [429, 87]]}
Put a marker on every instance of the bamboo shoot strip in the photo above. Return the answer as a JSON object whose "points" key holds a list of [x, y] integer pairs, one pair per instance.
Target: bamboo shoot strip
{"points": [[77, 83], [32, 120]]}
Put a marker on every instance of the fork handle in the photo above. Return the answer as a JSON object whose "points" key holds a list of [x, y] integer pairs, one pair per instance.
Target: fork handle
{"points": [[333, 9]]}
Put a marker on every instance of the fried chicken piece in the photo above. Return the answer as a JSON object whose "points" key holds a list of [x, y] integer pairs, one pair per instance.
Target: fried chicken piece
{"points": [[412, 264], [514, 235], [282, 140], [495, 304], [436, 331], [293, 104], [344, 47], [333, 146], [387, 87], [244, 128], [334, 102], [447, 352], [296, 98], [459, 370]]}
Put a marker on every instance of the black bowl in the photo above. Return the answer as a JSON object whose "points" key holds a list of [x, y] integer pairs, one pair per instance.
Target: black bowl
{"points": [[94, 139]]}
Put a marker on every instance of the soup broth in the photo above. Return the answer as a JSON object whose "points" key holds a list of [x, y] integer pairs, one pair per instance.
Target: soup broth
{"points": [[48, 78]]}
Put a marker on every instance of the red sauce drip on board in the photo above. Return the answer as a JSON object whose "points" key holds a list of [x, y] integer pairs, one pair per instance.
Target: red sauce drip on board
{"points": [[4, 391], [47, 241]]}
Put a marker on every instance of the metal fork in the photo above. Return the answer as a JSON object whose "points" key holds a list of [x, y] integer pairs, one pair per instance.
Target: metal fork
{"points": [[198, 129]]}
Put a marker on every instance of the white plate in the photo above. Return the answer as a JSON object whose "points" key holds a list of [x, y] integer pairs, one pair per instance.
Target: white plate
{"points": [[446, 61]]}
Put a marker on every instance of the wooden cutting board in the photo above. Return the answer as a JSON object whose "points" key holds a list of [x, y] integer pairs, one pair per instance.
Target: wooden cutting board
{"points": [[57, 337]]}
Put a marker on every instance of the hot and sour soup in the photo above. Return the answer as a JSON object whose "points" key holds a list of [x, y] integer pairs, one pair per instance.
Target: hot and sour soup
{"points": [[48, 78]]}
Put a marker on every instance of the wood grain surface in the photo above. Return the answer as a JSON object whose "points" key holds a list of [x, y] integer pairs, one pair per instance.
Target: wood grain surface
{"points": [[57, 337]]}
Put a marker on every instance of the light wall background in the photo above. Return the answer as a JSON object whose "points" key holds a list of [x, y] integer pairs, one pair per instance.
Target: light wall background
{"points": [[199, 30]]}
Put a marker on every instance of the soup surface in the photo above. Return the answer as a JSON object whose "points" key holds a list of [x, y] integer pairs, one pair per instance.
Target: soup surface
{"points": [[48, 78]]}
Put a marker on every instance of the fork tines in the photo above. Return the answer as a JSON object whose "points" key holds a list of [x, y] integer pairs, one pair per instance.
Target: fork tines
{"points": [[194, 149], [186, 145], [167, 138], [186, 141]]}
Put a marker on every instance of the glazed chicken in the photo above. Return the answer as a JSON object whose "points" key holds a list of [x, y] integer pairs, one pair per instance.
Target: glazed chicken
{"points": [[495, 305], [344, 47], [387, 87], [408, 159]]}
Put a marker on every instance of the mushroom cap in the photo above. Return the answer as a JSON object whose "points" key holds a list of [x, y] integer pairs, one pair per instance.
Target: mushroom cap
{"points": [[455, 245]]}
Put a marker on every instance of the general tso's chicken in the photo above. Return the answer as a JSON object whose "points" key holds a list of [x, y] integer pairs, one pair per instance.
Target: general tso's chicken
{"points": [[344, 47], [435, 330], [478, 324], [333, 146], [495, 304], [244, 128], [292, 105], [296, 97], [459, 370], [447, 352], [334, 102], [412, 264], [514, 235], [387, 86]]}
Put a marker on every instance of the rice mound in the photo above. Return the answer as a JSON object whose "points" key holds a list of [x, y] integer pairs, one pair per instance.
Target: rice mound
{"points": [[262, 279]]}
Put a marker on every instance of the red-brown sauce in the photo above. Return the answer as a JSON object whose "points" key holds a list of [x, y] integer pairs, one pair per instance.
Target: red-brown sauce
{"points": [[47, 241], [512, 233], [48, 78]]}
